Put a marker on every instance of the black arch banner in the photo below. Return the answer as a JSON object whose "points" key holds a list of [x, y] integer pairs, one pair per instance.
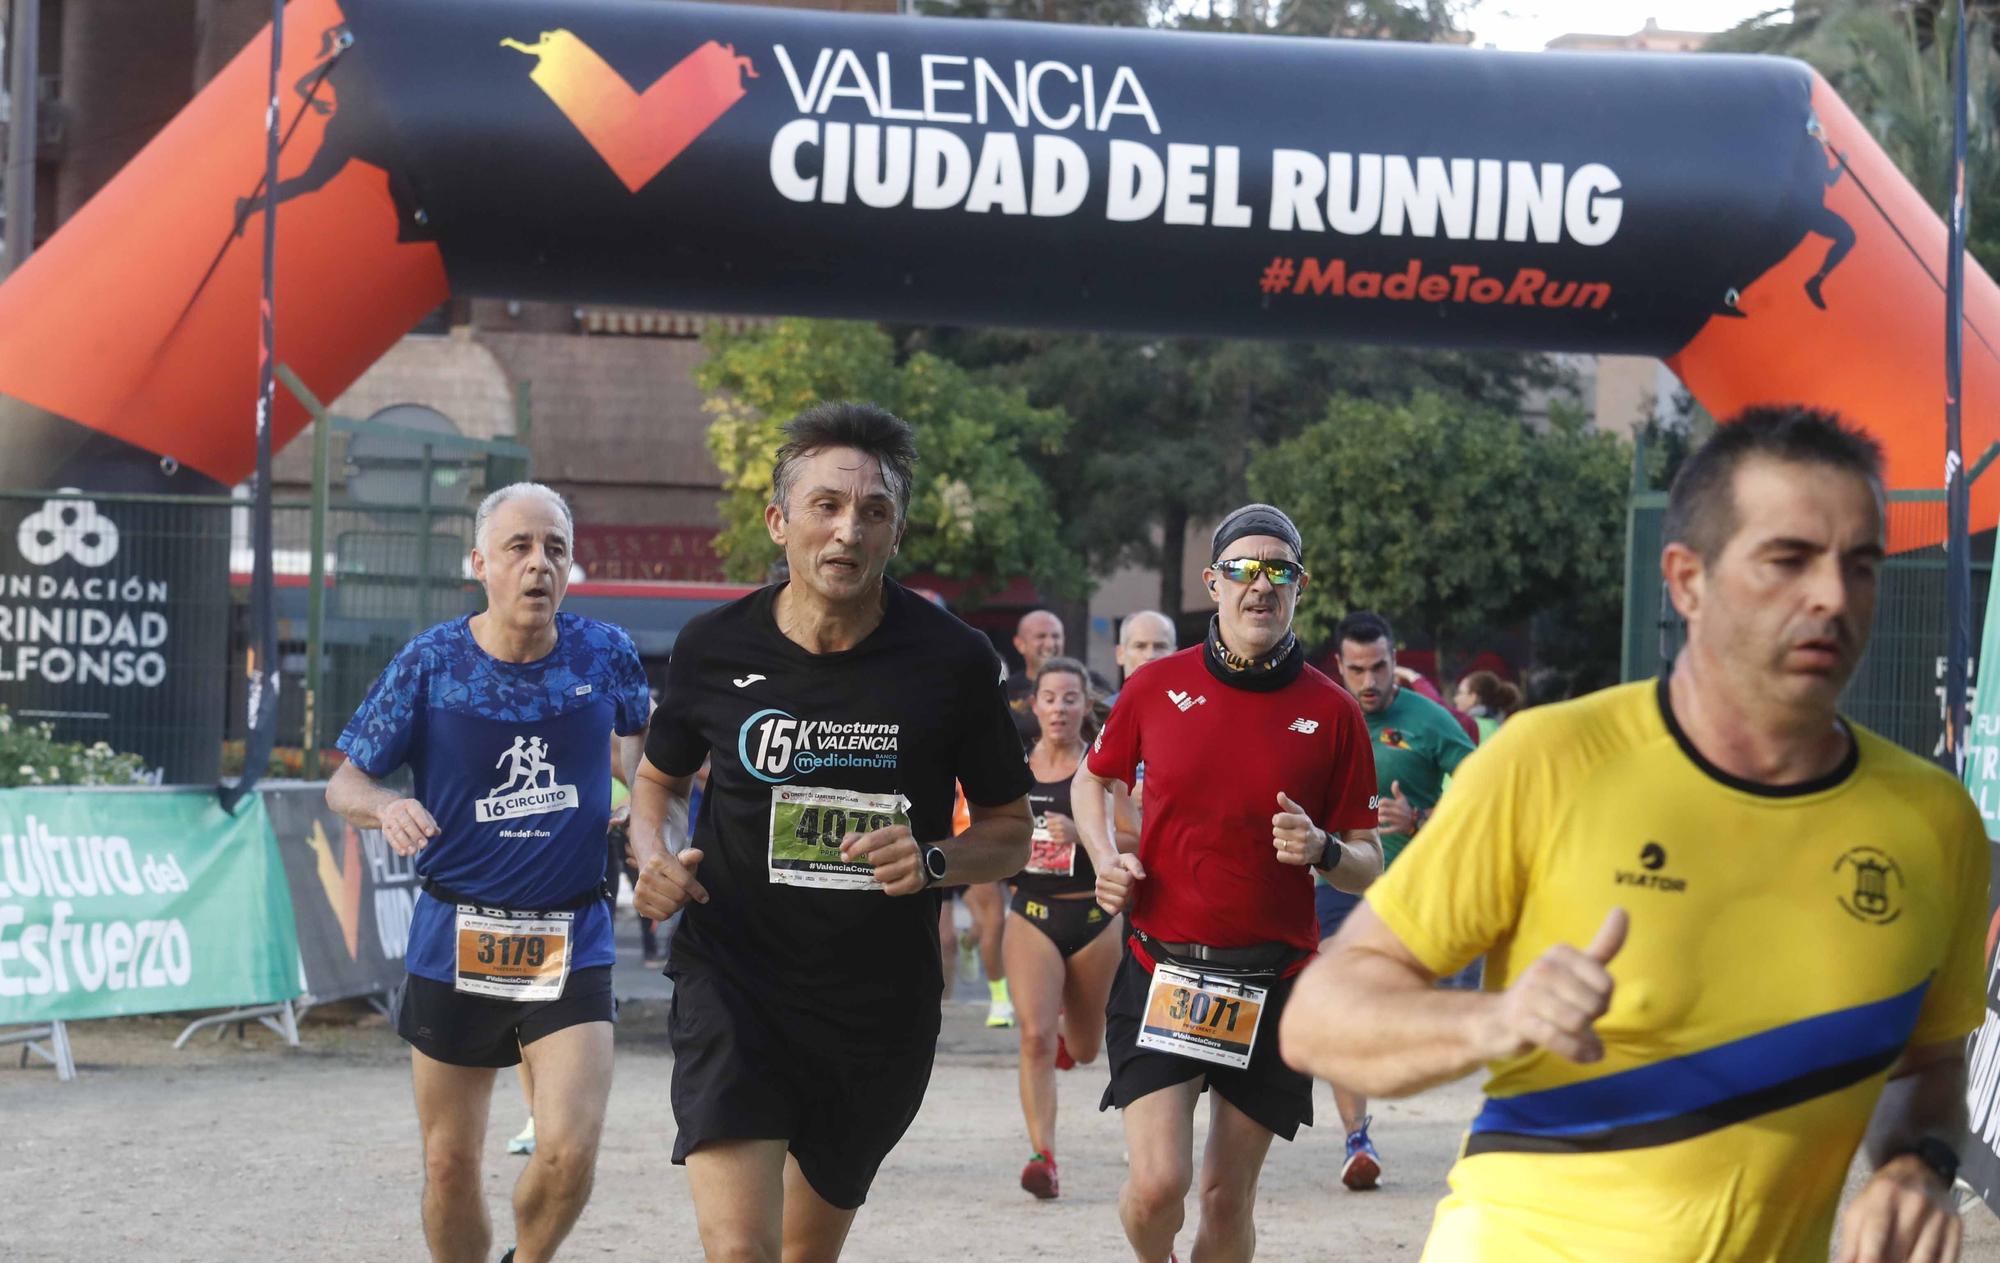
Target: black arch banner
{"points": [[1725, 213]]}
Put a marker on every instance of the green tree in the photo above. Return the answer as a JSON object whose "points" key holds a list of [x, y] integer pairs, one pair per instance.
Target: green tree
{"points": [[977, 511], [1450, 517], [1164, 427]]}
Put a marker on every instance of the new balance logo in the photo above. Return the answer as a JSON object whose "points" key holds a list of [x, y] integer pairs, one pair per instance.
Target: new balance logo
{"points": [[1303, 725], [746, 681], [1183, 701]]}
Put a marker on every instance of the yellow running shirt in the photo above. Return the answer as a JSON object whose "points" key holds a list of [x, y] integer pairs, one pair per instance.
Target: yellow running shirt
{"points": [[1785, 946]]}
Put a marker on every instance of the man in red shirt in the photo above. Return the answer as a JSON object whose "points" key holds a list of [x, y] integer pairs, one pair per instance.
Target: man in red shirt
{"points": [[1258, 769]]}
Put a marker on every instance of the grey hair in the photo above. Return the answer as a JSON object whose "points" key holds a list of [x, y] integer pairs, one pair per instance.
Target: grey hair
{"points": [[515, 491], [865, 427]]}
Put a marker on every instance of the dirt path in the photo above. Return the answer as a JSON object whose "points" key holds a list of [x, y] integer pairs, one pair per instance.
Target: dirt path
{"points": [[246, 1150]]}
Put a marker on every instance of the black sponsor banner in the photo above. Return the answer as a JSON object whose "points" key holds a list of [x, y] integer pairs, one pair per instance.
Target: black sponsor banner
{"points": [[352, 895], [737, 158], [114, 624], [1981, 1159]]}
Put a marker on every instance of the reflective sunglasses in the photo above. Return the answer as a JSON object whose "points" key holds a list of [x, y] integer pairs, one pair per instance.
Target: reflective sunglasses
{"points": [[1246, 569]]}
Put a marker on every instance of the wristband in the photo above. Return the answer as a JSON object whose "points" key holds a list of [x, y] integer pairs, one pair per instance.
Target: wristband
{"points": [[1329, 859], [1933, 1153]]}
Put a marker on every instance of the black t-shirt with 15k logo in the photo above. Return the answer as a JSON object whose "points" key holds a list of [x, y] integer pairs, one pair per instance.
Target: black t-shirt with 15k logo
{"points": [[805, 748]]}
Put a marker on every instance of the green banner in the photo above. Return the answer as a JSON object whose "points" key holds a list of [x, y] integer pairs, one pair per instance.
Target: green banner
{"points": [[115, 902], [1982, 755]]}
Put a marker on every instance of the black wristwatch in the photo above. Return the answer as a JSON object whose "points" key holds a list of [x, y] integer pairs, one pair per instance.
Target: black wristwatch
{"points": [[1935, 1154], [1329, 859], [934, 861]]}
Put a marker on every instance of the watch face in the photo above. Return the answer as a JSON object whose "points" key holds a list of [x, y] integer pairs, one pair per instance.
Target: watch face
{"points": [[934, 862]]}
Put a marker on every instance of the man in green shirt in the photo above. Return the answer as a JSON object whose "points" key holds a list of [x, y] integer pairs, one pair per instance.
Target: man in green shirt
{"points": [[1417, 746]]}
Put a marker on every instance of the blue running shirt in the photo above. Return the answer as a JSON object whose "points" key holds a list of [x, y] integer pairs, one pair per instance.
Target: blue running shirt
{"points": [[513, 761]]}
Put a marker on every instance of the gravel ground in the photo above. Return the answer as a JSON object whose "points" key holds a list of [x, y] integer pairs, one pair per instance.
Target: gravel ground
{"points": [[244, 1149]]}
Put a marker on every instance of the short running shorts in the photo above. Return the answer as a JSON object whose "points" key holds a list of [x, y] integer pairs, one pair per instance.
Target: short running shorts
{"points": [[1071, 924], [445, 1024], [1271, 1093], [748, 1068]]}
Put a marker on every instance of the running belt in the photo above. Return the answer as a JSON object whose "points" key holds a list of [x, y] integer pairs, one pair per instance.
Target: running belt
{"points": [[603, 889], [1263, 958]]}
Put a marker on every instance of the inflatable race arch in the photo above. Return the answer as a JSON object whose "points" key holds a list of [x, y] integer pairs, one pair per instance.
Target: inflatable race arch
{"points": [[1726, 214]]}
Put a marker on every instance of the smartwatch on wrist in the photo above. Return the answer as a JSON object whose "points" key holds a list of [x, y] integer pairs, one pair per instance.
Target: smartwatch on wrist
{"points": [[935, 863], [1935, 1154], [1329, 859]]}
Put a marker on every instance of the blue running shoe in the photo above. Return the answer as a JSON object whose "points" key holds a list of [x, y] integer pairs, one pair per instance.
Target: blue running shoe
{"points": [[1364, 1166]]}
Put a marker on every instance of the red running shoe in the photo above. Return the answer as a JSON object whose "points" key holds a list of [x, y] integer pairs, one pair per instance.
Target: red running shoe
{"points": [[1039, 1177], [1063, 1060]]}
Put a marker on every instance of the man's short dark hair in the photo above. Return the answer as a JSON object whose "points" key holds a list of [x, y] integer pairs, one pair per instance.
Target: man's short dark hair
{"points": [[1701, 508], [1364, 627], [861, 426]]}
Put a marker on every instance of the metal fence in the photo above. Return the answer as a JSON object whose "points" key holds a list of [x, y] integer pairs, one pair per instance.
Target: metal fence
{"points": [[1898, 690], [124, 618]]}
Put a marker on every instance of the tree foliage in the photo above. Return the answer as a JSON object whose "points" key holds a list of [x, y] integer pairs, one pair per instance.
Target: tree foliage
{"points": [[978, 512], [1451, 517], [1164, 428]]}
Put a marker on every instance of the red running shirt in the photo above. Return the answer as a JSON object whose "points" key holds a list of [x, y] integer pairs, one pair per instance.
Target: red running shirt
{"points": [[1216, 758]]}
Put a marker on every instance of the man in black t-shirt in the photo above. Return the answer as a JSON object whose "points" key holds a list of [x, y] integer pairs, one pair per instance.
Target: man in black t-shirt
{"points": [[837, 711]]}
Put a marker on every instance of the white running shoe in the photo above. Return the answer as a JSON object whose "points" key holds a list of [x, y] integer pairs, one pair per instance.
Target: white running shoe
{"points": [[525, 1142]]}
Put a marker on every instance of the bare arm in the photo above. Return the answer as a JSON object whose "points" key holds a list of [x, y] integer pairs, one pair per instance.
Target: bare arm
{"points": [[1367, 1016], [1925, 1096], [1090, 801], [1117, 870], [1360, 860], [659, 844], [993, 847], [1907, 1211], [625, 755], [367, 803], [1125, 823], [659, 813], [1301, 842]]}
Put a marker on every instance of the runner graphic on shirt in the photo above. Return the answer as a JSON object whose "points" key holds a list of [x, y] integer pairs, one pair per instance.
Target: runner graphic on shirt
{"points": [[537, 767], [527, 766], [516, 755]]}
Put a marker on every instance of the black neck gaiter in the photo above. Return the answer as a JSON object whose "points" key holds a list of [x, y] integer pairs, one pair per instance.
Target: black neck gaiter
{"points": [[1265, 674]]}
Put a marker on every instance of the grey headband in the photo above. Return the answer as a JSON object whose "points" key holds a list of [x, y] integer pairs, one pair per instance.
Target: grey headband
{"points": [[1256, 519]]}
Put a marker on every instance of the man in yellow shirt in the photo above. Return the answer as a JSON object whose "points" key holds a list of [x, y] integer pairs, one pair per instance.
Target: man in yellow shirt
{"points": [[1782, 916]]}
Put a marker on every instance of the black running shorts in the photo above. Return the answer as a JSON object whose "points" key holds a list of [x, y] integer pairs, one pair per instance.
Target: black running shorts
{"points": [[1071, 924], [746, 1068], [447, 1025], [1273, 1095]]}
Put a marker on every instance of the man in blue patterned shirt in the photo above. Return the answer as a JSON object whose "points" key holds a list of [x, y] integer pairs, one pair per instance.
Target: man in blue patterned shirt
{"points": [[505, 720]]}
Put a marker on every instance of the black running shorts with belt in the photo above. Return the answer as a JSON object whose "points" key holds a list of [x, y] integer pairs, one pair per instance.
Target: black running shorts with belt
{"points": [[1271, 1093]]}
